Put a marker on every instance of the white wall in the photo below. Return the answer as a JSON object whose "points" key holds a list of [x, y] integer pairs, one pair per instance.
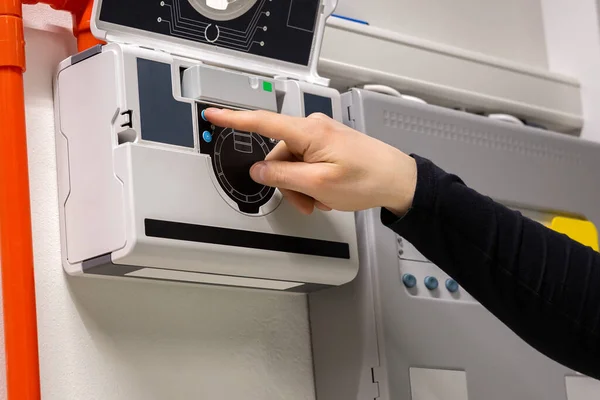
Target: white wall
{"points": [[573, 35], [124, 340], [509, 29]]}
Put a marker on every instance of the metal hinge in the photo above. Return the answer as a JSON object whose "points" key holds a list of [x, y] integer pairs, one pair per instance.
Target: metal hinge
{"points": [[375, 375], [84, 55]]}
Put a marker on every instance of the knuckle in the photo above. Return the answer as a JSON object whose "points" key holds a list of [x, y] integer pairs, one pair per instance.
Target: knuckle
{"points": [[277, 176], [319, 116], [318, 126], [338, 174], [322, 178]]}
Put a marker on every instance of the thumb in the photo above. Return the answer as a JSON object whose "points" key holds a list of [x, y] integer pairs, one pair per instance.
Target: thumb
{"points": [[290, 175]]}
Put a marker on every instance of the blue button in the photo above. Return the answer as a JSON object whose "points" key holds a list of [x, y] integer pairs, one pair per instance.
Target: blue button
{"points": [[409, 280], [203, 116], [431, 283], [451, 285], [207, 136]]}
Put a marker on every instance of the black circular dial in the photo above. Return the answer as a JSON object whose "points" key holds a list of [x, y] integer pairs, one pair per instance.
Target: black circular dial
{"points": [[232, 155]]}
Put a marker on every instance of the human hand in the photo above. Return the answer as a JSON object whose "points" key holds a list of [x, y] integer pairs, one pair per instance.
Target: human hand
{"points": [[322, 163]]}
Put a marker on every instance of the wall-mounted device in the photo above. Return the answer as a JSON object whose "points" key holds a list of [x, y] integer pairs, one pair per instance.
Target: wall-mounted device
{"points": [[149, 189], [404, 330]]}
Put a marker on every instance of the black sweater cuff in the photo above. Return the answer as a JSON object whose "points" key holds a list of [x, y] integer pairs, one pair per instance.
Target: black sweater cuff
{"points": [[425, 194]]}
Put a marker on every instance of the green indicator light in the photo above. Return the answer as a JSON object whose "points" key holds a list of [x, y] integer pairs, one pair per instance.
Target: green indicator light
{"points": [[267, 86]]}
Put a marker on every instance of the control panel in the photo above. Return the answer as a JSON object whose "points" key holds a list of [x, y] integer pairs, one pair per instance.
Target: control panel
{"points": [[232, 154], [421, 278]]}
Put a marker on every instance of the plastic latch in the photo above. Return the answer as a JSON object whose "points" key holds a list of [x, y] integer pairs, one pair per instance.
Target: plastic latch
{"points": [[582, 231]]}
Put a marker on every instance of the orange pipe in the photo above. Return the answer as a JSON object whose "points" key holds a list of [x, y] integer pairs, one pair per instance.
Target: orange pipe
{"points": [[81, 26], [18, 290], [16, 250]]}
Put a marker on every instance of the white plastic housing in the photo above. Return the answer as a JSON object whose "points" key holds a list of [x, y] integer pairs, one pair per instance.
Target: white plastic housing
{"points": [[110, 180]]}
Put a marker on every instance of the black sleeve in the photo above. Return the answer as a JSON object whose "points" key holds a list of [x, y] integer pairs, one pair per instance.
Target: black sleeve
{"points": [[541, 284]]}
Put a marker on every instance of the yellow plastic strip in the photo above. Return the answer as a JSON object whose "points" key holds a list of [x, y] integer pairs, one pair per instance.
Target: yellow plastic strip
{"points": [[581, 231]]}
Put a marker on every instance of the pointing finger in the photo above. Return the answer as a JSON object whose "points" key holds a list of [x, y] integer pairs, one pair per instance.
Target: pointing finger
{"points": [[272, 125]]}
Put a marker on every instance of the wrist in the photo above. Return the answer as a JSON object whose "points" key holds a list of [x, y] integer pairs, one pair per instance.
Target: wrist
{"points": [[402, 184]]}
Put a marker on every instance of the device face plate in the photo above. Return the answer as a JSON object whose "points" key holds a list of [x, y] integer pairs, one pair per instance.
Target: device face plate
{"points": [[232, 155], [282, 30]]}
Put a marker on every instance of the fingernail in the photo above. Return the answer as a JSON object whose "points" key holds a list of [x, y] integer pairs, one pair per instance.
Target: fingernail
{"points": [[258, 171], [212, 111]]}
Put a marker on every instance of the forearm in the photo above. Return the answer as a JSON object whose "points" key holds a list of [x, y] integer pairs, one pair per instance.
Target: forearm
{"points": [[541, 284]]}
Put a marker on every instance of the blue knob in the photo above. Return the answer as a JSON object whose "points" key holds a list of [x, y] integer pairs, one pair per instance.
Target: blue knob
{"points": [[203, 116], [431, 283], [207, 136], [451, 285], [409, 280]]}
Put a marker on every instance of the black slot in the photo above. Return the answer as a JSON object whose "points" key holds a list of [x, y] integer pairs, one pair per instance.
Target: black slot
{"points": [[247, 239]]}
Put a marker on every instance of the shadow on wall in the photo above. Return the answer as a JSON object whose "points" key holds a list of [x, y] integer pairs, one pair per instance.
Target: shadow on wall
{"points": [[140, 310], [165, 315], [147, 328]]}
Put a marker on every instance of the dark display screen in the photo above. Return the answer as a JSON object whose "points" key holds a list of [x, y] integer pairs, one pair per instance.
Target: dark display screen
{"points": [[232, 154], [317, 104], [278, 29]]}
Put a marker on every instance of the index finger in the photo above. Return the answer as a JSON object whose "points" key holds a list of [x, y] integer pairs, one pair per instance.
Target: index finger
{"points": [[272, 125]]}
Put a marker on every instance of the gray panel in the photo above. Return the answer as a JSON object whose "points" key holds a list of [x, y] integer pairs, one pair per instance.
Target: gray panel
{"points": [[228, 87], [317, 104], [163, 118], [417, 332], [309, 288], [519, 166], [84, 55], [306, 288], [342, 323], [103, 265]]}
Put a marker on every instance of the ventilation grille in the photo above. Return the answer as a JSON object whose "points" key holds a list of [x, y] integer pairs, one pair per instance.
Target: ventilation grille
{"points": [[483, 138]]}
